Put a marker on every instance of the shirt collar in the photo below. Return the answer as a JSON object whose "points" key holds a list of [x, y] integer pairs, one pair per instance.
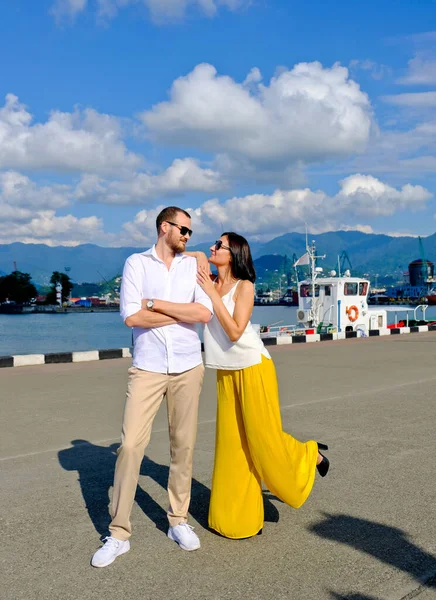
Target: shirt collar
{"points": [[152, 252]]}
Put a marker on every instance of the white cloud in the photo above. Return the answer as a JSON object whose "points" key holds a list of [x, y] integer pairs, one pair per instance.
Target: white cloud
{"points": [[45, 227], [142, 230], [307, 114], [24, 218], [364, 195], [17, 190], [376, 70], [67, 8], [358, 227], [28, 214], [419, 164], [401, 234], [420, 99], [79, 141], [160, 11], [422, 38], [359, 196], [254, 76], [184, 175], [421, 71], [399, 150], [28, 211]]}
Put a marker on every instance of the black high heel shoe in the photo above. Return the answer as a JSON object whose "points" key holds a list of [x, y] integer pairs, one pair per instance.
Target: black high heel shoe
{"points": [[324, 465]]}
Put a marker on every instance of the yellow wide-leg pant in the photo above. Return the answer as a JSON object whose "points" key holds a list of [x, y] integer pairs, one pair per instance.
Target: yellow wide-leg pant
{"points": [[251, 447]]}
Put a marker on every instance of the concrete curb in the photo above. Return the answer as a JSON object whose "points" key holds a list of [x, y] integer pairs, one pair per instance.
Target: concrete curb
{"points": [[25, 360], [324, 337]]}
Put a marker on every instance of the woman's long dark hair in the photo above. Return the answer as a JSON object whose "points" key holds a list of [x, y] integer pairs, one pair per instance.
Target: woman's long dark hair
{"points": [[242, 262]]}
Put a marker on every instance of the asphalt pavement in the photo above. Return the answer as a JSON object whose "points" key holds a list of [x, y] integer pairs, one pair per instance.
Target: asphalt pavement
{"points": [[367, 532]]}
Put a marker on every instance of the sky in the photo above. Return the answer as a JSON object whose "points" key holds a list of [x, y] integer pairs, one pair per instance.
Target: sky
{"points": [[257, 116]]}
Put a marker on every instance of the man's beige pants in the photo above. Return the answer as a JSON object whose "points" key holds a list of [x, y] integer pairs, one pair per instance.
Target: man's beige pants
{"points": [[145, 391]]}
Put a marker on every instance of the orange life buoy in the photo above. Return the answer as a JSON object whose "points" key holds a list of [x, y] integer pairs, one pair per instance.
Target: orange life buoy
{"points": [[352, 309]]}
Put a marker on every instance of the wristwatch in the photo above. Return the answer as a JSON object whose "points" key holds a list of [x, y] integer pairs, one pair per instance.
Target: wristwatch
{"points": [[150, 304]]}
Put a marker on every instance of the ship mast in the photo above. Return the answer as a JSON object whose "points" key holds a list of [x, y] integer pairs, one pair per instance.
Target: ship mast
{"points": [[311, 251]]}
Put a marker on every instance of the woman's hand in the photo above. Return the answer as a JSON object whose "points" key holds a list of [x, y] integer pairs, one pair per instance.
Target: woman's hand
{"points": [[202, 261], [204, 281]]}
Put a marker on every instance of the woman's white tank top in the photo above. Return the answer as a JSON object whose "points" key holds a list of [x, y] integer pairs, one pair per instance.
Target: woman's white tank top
{"points": [[221, 353]]}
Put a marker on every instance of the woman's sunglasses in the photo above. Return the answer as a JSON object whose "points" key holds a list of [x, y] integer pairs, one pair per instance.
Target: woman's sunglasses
{"points": [[219, 244], [183, 230]]}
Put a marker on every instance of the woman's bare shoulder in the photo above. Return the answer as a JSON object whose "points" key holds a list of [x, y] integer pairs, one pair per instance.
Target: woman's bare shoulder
{"points": [[245, 289], [246, 285]]}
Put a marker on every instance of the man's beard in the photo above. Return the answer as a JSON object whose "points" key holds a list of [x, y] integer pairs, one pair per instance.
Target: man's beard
{"points": [[176, 245]]}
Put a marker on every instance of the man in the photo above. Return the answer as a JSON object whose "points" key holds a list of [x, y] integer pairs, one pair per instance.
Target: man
{"points": [[166, 361]]}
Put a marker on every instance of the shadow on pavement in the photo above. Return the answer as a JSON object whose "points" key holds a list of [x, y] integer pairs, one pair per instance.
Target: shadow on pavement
{"points": [[95, 466], [387, 544], [351, 597]]}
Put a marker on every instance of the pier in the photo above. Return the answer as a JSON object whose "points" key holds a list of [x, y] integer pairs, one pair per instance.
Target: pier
{"points": [[367, 532]]}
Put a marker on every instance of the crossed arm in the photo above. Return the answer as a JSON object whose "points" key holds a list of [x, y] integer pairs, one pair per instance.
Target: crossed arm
{"points": [[164, 313], [168, 313], [148, 319], [192, 312]]}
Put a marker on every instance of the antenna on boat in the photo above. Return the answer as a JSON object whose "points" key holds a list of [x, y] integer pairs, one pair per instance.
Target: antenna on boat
{"points": [[314, 272]]}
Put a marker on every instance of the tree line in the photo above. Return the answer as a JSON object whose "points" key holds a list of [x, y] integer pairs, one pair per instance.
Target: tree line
{"points": [[18, 287]]}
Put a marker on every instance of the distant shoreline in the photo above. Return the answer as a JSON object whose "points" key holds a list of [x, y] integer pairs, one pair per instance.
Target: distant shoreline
{"points": [[14, 309]]}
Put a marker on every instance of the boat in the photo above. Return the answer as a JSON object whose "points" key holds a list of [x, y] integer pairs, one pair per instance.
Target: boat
{"points": [[378, 298], [431, 297], [338, 304], [265, 299], [10, 308], [290, 298], [331, 304]]}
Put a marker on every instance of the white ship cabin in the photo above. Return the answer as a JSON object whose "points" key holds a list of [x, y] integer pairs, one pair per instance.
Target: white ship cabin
{"points": [[340, 303]]}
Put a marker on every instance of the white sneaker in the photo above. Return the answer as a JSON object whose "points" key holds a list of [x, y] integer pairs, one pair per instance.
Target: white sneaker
{"points": [[184, 535], [108, 553]]}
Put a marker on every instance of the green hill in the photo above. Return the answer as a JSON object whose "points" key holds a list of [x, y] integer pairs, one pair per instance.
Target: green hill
{"points": [[369, 253]]}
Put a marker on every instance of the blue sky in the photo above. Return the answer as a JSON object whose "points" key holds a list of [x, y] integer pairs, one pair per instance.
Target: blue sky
{"points": [[258, 116]]}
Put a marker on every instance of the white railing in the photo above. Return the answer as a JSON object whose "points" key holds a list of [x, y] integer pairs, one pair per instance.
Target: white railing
{"points": [[280, 330], [329, 310], [406, 311], [423, 308]]}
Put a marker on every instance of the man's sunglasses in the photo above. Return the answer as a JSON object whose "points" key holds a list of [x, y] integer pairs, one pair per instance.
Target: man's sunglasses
{"points": [[183, 230], [219, 244]]}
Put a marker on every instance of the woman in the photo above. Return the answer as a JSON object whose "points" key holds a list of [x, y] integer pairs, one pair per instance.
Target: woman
{"points": [[250, 444]]}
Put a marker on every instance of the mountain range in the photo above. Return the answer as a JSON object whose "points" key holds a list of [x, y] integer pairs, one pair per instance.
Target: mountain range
{"points": [[368, 253]]}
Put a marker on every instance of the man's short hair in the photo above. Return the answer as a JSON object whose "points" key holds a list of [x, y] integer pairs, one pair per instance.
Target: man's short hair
{"points": [[169, 214]]}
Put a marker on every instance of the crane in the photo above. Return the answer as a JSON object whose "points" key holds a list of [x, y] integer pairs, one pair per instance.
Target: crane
{"points": [[424, 262], [343, 259]]}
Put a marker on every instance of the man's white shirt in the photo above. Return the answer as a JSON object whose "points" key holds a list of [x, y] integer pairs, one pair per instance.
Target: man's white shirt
{"points": [[173, 348]]}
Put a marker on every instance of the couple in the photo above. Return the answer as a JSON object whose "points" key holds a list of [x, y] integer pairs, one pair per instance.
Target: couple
{"points": [[165, 291]]}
